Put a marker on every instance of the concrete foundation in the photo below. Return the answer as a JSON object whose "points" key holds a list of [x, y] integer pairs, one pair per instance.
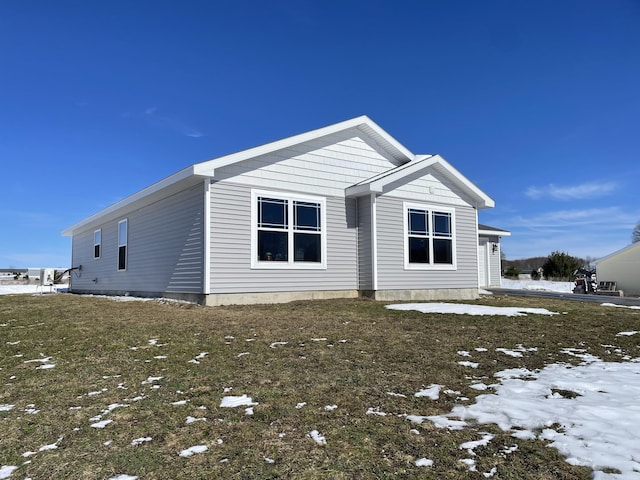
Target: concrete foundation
{"points": [[218, 299], [426, 295]]}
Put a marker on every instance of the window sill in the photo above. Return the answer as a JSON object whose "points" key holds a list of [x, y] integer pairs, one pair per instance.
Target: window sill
{"points": [[288, 266], [434, 267]]}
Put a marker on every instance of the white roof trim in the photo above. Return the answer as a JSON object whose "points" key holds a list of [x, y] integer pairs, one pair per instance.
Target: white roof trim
{"points": [[180, 176], [617, 252], [207, 168], [363, 123], [494, 233], [377, 183]]}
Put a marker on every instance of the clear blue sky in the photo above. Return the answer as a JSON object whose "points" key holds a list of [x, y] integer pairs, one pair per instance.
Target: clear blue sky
{"points": [[538, 103]]}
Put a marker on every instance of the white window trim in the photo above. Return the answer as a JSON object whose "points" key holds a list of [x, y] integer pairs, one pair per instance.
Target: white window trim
{"points": [[95, 244], [405, 231], [290, 264], [125, 244]]}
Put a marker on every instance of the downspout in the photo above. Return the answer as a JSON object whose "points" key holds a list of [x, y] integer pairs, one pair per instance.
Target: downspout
{"points": [[207, 237], [374, 243], [477, 254]]}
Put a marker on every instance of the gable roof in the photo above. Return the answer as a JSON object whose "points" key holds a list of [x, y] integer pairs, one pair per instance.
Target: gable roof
{"points": [[377, 183], [363, 123], [194, 174], [618, 252]]}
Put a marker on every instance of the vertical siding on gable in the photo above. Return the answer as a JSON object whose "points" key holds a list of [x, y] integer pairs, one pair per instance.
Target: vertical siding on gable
{"points": [[231, 247], [365, 267], [164, 249], [391, 272]]}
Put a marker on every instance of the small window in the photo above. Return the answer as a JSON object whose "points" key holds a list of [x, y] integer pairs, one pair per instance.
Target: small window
{"points": [[429, 237], [288, 231], [97, 242], [122, 245]]}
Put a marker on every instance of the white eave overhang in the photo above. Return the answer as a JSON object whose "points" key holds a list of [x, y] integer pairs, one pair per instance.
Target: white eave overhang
{"points": [[195, 173], [172, 184], [494, 233]]}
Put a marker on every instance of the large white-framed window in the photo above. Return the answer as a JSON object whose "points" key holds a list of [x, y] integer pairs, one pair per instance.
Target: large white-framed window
{"points": [[429, 242], [288, 231], [122, 244], [97, 243]]}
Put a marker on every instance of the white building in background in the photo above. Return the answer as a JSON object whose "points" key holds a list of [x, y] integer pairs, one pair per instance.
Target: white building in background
{"points": [[622, 267]]}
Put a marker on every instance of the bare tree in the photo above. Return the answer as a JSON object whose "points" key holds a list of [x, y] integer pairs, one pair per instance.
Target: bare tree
{"points": [[635, 236]]}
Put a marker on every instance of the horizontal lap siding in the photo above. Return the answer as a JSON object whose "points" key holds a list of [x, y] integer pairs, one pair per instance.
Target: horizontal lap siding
{"points": [[231, 248], [323, 167], [391, 272], [494, 261], [165, 250], [431, 187]]}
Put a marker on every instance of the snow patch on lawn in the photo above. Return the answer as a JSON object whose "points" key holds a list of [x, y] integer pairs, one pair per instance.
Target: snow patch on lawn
{"points": [[465, 309]]}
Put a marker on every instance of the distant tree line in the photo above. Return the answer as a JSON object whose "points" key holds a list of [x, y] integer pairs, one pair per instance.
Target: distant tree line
{"points": [[559, 266]]}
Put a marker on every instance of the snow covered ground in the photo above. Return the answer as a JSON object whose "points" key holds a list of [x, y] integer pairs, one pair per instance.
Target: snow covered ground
{"points": [[20, 289], [588, 412], [544, 285]]}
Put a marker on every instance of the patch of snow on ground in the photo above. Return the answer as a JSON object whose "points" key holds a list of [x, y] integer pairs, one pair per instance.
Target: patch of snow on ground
{"points": [[32, 289], [599, 422], [237, 401], [544, 285], [193, 450], [626, 334], [7, 470], [464, 309], [424, 462], [139, 441], [319, 439], [432, 392], [466, 363], [101, 424], [633, 307]]}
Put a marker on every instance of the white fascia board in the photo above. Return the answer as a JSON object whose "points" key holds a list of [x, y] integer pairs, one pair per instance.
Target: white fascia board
{"points": [[494, 233], [618, 252], [376, 184], [482, 199], [145, 193], [363, 123]]}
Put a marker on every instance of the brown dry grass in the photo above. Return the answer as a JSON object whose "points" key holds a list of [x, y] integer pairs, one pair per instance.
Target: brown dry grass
{"points": [[98, 345]]}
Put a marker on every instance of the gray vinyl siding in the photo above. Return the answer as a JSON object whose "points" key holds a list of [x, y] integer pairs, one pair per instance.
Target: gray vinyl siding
{"points": [[164, 249], [325, 166], [231, 272], [494, 263], [365, 247], [390, 245]]}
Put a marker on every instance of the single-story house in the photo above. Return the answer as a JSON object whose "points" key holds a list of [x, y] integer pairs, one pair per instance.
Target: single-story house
{"points": [[340, 211], [622, 267], [489, 255]]}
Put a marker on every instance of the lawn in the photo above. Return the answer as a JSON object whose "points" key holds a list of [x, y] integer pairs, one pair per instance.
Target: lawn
{"points": [[96, 389]]}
